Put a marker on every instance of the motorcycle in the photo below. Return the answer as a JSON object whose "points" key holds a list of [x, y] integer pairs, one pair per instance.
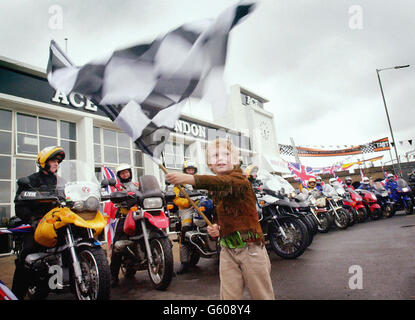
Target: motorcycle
{"points": [[382, 196], [355, 201], [337, 214], [68, 235], [283, 230], [195, 242], [317, 203], [146, 245], [370, 203], [346, 202], [400, 197]]}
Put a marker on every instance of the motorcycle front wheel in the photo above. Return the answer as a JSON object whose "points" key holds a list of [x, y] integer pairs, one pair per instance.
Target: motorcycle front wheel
{"points": [[296, 239], [409, 207], [324, 222], [342, 219], [388, 211], [161, 272], [362, 214], [95, 275]]}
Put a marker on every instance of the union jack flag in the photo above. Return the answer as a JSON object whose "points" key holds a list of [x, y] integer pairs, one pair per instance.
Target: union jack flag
{"points": [[301, 172], [109, 209]]}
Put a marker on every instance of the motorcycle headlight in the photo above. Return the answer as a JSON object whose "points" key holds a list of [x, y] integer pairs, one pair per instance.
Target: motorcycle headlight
{"points": [[91, 204], [313, 201], [405, 189], [321, 202], [78, 206], [152, 203]]}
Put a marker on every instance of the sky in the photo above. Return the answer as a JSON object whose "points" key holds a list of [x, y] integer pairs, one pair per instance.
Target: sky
{"points": [[314, 60]]}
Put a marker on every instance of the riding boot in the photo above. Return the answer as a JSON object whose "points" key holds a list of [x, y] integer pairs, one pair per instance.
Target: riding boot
{"points": [[115, 268], [20, 281], [184, 267]]}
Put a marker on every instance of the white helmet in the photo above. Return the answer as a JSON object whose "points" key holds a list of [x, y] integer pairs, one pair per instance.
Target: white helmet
{"points": [[332, 180], [122, 167], [365, 180]]}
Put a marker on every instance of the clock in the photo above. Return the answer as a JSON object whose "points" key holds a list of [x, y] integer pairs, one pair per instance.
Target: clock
{"points": [[265, 129]]}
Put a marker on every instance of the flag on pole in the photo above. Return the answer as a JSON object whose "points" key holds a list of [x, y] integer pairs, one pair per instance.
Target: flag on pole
{"points": [[109, 209], [143, 88]]}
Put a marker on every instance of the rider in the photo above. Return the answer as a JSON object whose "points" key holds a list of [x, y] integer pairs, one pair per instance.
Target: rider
{"points": [[365, 184], [391, 184], [332, 181], [251, 173], [48, 160], [186, 215], [319, 183], [125, 176], [311, 184], [348, 183]]}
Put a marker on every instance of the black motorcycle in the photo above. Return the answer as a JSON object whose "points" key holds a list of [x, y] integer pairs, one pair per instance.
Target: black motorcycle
{"points": [[283, 229], [194, 240]]}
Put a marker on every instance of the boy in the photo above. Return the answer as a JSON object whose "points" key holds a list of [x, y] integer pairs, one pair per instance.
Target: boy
{"points": [[243, 258]]}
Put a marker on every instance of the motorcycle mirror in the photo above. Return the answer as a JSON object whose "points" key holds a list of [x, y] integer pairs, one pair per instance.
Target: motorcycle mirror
{"points": [[112, 182], [24, 182], [104, 183]]}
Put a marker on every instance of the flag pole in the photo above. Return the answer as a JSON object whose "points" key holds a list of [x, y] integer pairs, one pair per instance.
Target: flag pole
{"points": [[183, 191]]}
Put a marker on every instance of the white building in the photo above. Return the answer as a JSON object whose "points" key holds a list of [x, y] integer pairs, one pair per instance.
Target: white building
{"points": [[33, 115]]}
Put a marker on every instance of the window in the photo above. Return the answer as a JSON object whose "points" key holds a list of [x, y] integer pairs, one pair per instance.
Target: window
{"points": [[5, 165], [114, 147], [175, 154], [35, 133]]}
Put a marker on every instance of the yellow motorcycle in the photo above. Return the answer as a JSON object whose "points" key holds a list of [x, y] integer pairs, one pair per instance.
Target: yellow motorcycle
{"points": [[71, 256]]}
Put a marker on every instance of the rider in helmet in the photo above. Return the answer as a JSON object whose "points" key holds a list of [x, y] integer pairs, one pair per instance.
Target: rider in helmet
{"points": [[48, 160], [125, 175], [319, 183], [348, 183], [311, 183], [391, 184], [186, 215], [365, 184], [332, 181], [251, 173]]}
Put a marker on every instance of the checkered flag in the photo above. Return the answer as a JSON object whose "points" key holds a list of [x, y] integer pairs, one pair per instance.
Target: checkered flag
{"points": [[143, 88], [286, 149], [367, 148]]}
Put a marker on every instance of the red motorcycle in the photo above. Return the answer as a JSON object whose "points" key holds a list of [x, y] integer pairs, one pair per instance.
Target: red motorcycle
{"points": [[370, 202], [146, 244], [355, 201]]}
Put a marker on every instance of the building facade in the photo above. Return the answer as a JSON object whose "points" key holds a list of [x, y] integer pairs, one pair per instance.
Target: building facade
{"points": [[33, 115]]}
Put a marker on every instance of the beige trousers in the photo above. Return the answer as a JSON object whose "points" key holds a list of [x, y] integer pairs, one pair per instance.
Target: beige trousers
{"points": [[250, 267]]}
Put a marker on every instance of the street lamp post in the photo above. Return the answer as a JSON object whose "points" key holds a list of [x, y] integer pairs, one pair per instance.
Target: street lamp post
{"points": [[387, 113]]}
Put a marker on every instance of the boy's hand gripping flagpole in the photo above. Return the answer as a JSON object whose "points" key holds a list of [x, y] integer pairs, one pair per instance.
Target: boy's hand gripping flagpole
{"points": [[188, 198]]}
